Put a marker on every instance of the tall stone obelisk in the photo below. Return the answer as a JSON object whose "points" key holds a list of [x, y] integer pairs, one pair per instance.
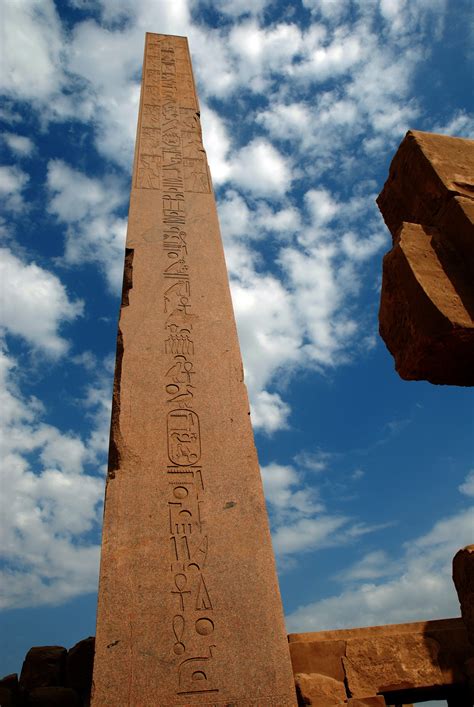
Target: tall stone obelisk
{"points": [[189, 608]]}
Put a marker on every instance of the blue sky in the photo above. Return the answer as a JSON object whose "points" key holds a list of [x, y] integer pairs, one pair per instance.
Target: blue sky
{"points": [[369, 479]]}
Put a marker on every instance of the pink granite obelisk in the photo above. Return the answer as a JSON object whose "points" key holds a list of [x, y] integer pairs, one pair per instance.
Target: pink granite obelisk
{"points": [[189, 608]]}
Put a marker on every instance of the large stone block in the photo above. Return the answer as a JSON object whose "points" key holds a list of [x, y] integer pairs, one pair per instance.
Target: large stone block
{"points": [[53, 697], [384, 663], [43, 666], [326, 655], [427, 300], [425, 320], [463, 576], [79, 664], [320, 690]]}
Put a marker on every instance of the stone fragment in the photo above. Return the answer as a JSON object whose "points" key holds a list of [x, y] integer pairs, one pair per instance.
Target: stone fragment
{"points": [[326, 655], [79, 664], [426, 324], [9, 691], [427, 302], [463, 577], [43, 666], [386, 663], [189, 608], [10, 682], [53, 697], [320, 690]]}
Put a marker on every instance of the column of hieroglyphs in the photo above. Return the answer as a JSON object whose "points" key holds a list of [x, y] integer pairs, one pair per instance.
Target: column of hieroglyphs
{"points": [[189, 608]]}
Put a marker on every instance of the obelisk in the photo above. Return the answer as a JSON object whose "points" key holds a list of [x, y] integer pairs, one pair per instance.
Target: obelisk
{"points": [[189, 608]]}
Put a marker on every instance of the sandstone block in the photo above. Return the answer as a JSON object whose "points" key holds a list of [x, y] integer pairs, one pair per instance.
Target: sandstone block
{"points": [[320, 690], [324, 658], [463, 577], [427, 301], [53, 697], [425, 322], [376, 701], [43, 667], [8, 698], [387, 663], [79, 664]]}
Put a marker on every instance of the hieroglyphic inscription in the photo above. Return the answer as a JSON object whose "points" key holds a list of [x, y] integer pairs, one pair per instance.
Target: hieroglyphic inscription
{"points": [[171, 159], [264, 701], [170, 150]]}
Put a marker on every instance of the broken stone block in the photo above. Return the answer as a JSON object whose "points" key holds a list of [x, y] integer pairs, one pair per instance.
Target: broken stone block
{"points": [[378, 664], [53, 697], [427, 301], [9, 690], [424, 319], [43, 667], [326, 655], [463, 577], [79, 664], [320, 690]]}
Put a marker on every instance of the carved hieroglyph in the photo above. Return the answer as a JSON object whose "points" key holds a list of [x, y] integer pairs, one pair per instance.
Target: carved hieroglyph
{"points": [[189, 607]]}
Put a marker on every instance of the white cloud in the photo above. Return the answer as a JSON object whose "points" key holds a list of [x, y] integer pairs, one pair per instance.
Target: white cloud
{"points": [[329, 9], [235, 8], [12, 182], [300, 521], [467, 487], [260, 169], [461, 124], [31, 53], [19, 144], [34, 304], [418, 585], [52, 501], [95, 234], [269, 412], [217, 144]]}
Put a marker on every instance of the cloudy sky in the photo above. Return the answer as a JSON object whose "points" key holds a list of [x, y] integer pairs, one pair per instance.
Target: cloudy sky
{"points": [[369, 479]]}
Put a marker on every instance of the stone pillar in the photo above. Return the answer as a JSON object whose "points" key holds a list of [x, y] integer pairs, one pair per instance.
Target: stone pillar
{"points": [[427, 302], [189, 608]]}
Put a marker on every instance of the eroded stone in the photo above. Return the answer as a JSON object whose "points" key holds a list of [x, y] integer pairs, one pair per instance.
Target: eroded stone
{"points": [[463, 577], [189, 606], [43, 666], [427, 300], [386, 663], [320, 690]]}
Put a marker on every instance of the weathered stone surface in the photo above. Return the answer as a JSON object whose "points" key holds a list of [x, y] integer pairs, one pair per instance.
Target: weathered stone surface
{"points": [[8, 698], [53, 697], [320, 690], [463, 577], [326, 655], [79, 664], [189, 607], [375, 701], [383, 664], [10, 681], [43, 666], [416, 660], [9, 690], [425, 322], [427, 301]]}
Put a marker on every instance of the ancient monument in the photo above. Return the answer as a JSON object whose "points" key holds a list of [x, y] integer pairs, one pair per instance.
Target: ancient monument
{"points": [[427, 303], [189, 608]]}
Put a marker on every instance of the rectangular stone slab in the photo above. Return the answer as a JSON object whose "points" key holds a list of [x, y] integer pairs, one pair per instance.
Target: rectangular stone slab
{"points": [[189, 608]]}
